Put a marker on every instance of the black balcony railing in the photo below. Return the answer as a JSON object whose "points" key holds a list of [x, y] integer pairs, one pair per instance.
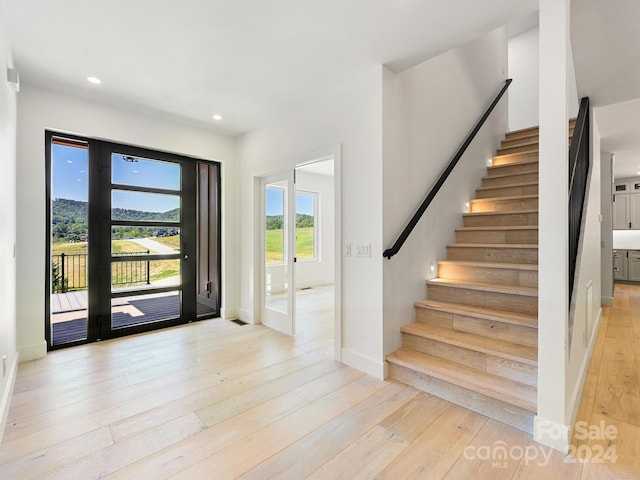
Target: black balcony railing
{"points": [[70, 271]]}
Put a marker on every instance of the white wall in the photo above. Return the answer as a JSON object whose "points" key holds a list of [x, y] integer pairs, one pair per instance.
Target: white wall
{"points": [[40, 109], [320, 271], [606, 227], [524, 70], [551, 424], [349, 116], [8, 231], [586, 315], [428, 111], [566, 332]]}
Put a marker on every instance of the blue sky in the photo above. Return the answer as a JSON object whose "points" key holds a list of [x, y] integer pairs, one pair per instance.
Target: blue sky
{"points": [[275, 199], [69, 173], [70, 179]]}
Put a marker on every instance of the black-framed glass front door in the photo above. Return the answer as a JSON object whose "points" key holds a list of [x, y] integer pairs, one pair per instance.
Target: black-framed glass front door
{"points": [[143, 239]]}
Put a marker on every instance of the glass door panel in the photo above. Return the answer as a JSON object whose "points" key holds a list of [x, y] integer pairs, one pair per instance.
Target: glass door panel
{"points": [[69, 281], [144, 172], [278, 237], [147, 251]]}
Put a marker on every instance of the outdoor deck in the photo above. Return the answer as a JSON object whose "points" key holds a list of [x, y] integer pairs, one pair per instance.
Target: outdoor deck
{"points": [[69, 313]]}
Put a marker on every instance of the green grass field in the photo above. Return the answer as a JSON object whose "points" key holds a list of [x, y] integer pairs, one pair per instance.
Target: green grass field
{"points": [[275, 241], [172, 241]]}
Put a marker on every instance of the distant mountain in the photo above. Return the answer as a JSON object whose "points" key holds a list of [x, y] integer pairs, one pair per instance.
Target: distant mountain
{"points": [[69, 220]]}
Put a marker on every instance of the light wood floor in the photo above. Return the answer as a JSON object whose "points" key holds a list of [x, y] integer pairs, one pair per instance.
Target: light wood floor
{"points": [[214, 400]]}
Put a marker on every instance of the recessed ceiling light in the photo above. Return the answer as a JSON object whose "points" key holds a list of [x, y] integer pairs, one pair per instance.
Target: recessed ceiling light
{"points": [[217, 117], [94, 80]]}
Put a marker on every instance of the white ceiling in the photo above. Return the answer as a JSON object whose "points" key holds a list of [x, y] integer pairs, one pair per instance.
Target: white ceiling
{"points": [[243, 59], [606, 38]]}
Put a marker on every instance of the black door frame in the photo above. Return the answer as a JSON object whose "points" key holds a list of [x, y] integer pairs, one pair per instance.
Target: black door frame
{"points": [[99, 229]]}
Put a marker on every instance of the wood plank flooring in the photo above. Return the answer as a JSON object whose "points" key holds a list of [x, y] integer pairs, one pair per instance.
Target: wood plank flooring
{"points": [[217, 400]]}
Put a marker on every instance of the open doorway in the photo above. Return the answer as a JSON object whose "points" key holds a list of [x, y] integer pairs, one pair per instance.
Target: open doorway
{"points": [[315, 252], [299, 274]]}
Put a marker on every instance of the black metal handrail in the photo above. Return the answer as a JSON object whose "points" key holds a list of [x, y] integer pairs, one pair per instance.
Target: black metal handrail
{"points": [[390, 252], [578, 174]]}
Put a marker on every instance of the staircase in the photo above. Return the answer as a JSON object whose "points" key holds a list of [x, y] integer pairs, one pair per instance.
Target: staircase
{"points": [[474, 339]]}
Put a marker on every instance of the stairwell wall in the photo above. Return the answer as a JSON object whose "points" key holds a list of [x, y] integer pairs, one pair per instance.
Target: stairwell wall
{"points": [[8, 348], [586, 308], [427, 112], [524, 69]]}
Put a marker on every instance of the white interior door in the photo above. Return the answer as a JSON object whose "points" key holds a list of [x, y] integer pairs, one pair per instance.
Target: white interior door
{"points": [[278, 242]]}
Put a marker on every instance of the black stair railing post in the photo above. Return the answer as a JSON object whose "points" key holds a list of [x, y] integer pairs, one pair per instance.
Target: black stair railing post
{"points": [[390, 252], [579, 159]]}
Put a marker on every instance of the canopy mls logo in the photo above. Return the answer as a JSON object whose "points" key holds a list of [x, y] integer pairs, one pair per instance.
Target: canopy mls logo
{"points": [[499, 453]]}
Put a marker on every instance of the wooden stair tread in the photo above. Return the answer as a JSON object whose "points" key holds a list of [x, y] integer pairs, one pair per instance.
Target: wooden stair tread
{"points": [[508, 185], [517, 162], [524, 142], [491, 346], [516, 318], [485, 287], [571, 122], [493, 245], [522, 130], [493, 386], [501, 199], [503, 212], [514, 266], [503, 175], [497, 227]]}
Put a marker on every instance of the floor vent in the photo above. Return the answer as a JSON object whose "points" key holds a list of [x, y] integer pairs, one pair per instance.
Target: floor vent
{"points": [[239, 322]]}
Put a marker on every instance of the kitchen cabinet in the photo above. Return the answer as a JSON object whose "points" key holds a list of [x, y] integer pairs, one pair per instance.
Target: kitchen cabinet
{"points": [[633, 266], [620, 188], [621, 212], [626, 204], [626, 211], [620, 265]]}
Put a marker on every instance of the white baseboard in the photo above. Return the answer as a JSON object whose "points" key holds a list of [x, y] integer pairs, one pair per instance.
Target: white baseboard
{"points": [[607, 301], [5, 401], [363, 363], [551, 434], [229, 313], [33, 351]]}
